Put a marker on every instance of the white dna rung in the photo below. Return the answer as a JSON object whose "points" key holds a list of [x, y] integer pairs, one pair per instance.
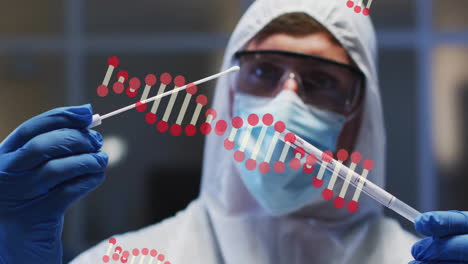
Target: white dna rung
{"points": [[118, 86], [201, 100], [179, 81], [191, 90], [236, 123], [259, 142], [165, 80], [150, 80], [322, 169], [355, 159], [368, 165], [113, 63], [271, 148]]}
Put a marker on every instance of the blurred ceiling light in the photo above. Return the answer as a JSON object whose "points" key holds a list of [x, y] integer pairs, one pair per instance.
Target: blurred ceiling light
{"points": [[116, 148]]}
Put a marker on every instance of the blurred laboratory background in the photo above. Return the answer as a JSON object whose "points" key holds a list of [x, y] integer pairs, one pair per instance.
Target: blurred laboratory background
{"points": [[54, 52]]}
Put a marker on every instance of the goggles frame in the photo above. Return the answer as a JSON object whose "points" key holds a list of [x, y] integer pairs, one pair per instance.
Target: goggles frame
{"points": [[360, 77]]}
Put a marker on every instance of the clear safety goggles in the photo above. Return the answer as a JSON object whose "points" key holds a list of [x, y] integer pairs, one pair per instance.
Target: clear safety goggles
{"points": [[321, 82]]}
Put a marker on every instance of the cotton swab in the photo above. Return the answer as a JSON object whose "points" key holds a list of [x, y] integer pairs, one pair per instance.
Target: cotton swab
{"points": [[97, 119]]}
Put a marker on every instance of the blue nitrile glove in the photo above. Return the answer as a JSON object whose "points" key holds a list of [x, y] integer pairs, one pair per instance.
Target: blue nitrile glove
{"points": [[448, 241], [46, 164]]}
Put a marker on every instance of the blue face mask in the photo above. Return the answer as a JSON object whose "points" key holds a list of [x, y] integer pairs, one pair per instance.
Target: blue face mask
{"points": [[282, 193]]}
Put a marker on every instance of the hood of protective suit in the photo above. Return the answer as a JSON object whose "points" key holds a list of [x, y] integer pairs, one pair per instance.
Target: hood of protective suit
{"points": [[319, 227]]}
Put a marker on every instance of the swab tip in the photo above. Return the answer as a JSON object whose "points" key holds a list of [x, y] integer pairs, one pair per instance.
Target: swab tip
{"points": [[234, 68]]}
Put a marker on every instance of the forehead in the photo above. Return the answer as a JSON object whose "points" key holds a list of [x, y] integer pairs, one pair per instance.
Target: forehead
{"points": [[317, 44]]}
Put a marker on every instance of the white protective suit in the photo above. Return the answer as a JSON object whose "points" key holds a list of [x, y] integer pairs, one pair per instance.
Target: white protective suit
{"points": [[226, 225]]}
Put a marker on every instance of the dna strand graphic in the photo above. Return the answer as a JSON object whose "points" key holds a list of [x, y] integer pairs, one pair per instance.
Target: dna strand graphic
{"points": [[359, 6], [239, 142], [137, 256]]}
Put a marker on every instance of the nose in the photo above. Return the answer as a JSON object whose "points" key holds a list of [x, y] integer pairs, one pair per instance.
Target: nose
{"points": [[291, 83]]}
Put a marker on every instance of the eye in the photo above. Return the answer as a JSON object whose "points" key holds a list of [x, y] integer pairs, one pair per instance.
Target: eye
{"points": [[325, 82], [266, 71], [322, 83]]}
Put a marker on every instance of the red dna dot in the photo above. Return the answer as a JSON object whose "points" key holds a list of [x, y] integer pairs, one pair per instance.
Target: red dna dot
{"points": [[140, 107], [125, 254], [280, 127], [176, 129], [211, 112], [190, 130], [179, 81], [311, 159], [102, 90], [161, 257], [201, 99], [130, 93], [123, 260], [153, 252], [339, 202], [368, 164], [114, 61], [118, 87], [162, 126], [228, 144], [135, 252], [144, 251], [205, 128], [237, 122], [166, 78], [264, 167], [357, 9], [220, 127], [191, 88], [239, 156], [251, 164], [115, 256], [105, 259], [167, 262], [123, 74], [353, 206], [342, 155], [327, 156], [252, 119], [290, 137], [366, 11], [267, 119], [350, 4], [134, 83], [150, 118], [295, 164], [150, 79], [300, 151], [327, 194], [118, 250], [279, 166], [307, 169], [356, 157], [317, 183], [112, 241]]}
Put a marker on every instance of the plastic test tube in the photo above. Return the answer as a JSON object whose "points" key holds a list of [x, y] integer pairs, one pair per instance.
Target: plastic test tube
{"points": [[360, 183]]}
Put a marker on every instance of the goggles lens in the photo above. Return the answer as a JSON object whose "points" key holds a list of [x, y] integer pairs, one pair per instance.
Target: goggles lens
{"points": [[321, 82]]}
